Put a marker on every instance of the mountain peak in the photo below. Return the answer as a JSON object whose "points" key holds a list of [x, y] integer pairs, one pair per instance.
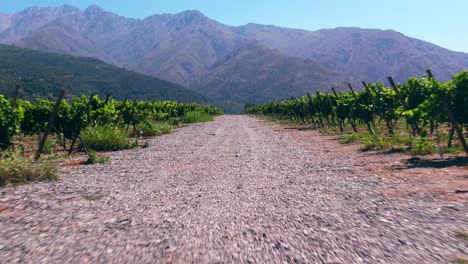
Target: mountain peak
{"points": [[94, 9], [191, 15], [68, 8], [193, 12]]}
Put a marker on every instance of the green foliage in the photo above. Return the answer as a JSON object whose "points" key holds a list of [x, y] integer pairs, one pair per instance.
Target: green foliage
{"points": [[5, 122], [460, 96], [460, 260], [50, 146], [149, 129], [196, 116], [350, 138], [422, 103], [94, 117], [103, 159], [93, 197], [373, 142], [106, 138], [422, 147], [93, 158], [43, 74], [15, 169]]}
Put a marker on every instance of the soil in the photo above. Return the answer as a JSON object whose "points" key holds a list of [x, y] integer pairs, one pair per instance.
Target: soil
{"points": [[239, 190]]}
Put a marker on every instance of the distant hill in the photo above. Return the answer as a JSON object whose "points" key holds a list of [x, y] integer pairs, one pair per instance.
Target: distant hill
{"points": [[4, 21], [255, 74], [200, 53], [44, 74], [361, 54], [21, 24]]}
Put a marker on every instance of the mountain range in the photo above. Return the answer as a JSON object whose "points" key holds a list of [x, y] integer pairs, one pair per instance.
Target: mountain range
{"points": [[44, 74], [244, 64]]}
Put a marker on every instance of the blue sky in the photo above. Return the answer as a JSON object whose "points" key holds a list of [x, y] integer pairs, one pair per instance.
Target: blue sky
{"points": [[441, 22]]}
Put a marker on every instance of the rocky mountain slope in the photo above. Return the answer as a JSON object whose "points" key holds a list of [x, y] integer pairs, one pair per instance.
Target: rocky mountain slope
{"points": [[362, 54], [254, 72], [200, 53]]}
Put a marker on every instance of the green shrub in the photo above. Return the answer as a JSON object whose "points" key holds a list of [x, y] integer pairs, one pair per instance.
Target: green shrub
{"points": [[460, 260], [93, 158], [15, 169], [50, 146], [103, 159], [401, 140], [195, 117], [150, 129], [106, 138], [453, 150], [374, 142], [350, 138], [422, 147]]}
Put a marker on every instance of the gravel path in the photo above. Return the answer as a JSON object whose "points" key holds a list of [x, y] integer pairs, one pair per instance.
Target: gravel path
{"points": [[229, 191]]}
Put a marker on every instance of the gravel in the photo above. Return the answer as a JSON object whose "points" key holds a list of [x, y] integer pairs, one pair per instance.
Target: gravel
{"points": [[229, 191]]}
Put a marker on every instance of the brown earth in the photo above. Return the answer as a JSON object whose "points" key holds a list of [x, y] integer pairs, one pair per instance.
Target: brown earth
{"points": [[236, 190]]}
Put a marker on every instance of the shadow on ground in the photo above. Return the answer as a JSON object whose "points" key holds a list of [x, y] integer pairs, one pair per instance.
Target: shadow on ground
{"points": [[435, 163]]}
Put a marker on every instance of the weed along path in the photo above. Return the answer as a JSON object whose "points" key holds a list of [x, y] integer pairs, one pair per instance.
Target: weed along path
{"points": [[236, 190]]}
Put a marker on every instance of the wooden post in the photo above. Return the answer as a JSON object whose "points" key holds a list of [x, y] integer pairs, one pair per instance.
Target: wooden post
{"points": [[316, 110], [351, 122], [352, 90], [334, 92], [70, 150], [108, 97], [321, 110], [381, 112], [341, 122], [369, 127], [452, 119], [415, 127], [120, 112], [19, 89], [397, 91], [50, 124]]}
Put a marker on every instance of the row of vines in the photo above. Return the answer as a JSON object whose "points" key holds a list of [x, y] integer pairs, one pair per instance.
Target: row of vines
{"points": [[21, 118], [425, 105]]}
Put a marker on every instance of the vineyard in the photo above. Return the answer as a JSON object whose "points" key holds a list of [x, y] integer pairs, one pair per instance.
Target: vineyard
{"points": [[414, 114], [85, 124]]}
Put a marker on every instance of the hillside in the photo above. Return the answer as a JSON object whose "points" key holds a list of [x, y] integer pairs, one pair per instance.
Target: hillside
{"points": [[188, 48], [31, 19], [4, 21], [43, 74], [178, 48], [254, 74], [363, 54]]}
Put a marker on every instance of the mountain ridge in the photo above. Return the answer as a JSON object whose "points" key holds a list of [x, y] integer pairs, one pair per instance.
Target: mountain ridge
{"points": [[43, 74], [275, 76], [185, 47]]}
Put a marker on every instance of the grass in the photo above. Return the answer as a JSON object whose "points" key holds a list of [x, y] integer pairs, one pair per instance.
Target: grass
{"points": [[107, 138], [50, 147], [374, 142], [462, 234], [402, 141], [151, 129], [15, 169], [93, 197], [422, 146], [196, 117], [93, 158], [453, 149], [460, 260], [353, 137]]}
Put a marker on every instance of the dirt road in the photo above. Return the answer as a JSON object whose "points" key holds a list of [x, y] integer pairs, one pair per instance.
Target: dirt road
{"points": [[235, 190]]}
